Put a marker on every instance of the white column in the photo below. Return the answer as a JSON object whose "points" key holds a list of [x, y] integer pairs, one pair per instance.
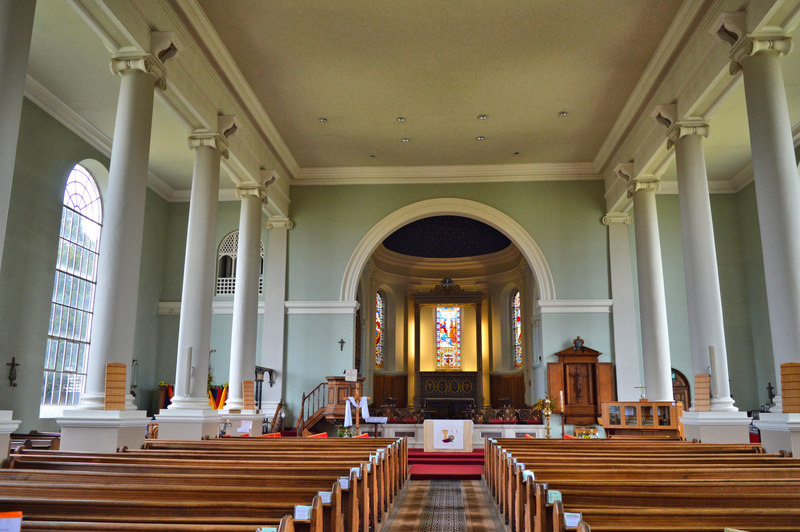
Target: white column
{"points": [[652, 299], [194, 336], [117, 289], [777, 189], [626, 352], [245, 299], [273, 336], [16, 26], [703, 296]]}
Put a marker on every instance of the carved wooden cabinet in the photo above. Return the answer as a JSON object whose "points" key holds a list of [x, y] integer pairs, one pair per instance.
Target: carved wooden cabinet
{"points": [[582, 382], [643, 419]]}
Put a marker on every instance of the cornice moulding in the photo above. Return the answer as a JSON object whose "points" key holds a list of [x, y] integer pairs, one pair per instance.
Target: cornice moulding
{"points": [[321, 307], [446, 174], [575, 306]]}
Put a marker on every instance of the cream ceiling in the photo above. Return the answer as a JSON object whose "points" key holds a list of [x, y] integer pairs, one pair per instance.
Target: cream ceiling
{"points": [[363, 63]]}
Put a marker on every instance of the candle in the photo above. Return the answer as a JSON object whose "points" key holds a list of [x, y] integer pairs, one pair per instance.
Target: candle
{"points": [[562, 400]]}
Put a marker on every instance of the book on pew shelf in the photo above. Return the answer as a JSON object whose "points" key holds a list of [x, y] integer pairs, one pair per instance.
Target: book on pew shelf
{"points": [[10, 521], [302, 512], [528, 474], [267, 529], [325, 496], [344, 482], [571, 519], [553, 496]]}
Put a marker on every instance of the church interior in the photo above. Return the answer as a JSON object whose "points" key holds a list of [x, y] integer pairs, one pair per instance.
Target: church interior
{"points": [[478, 210]]}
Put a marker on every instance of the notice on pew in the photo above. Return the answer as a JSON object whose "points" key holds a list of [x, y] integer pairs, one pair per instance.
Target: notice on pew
{"points": [[302, 513], [553, 496], [325, 496], [246, 425], [267, 529], [344, 482], [571, 519], [10, 521], [528, 474]]}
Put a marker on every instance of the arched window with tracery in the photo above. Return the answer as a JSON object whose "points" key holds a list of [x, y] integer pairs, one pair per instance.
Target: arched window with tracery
{"points": [[516, 329], [72, 304], [380, 330], [448, 337], [226, 265]]}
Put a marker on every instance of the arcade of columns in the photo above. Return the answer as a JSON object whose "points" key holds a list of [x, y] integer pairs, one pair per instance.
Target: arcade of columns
{"points": [[189, 416]]}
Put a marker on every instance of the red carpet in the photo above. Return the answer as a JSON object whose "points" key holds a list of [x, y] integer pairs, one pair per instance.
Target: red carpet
{"points": [[445, 466]]}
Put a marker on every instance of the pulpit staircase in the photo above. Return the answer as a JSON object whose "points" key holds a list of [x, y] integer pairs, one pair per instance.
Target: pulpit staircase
{"points": [[313, 408], [326, 402]]}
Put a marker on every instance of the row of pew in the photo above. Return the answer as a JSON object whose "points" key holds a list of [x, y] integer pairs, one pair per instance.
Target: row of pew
{"points": [[236, 484], [619, 485]]}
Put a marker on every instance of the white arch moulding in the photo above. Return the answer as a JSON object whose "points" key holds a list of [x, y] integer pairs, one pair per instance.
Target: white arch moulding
{"points": [[449, 207]]}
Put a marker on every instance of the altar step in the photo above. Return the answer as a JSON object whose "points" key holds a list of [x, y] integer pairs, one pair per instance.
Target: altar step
{"points": [[445, 466]]}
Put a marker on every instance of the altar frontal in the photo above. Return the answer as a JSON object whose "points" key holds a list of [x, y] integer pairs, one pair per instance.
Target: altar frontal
{"points": [[448, 435]]}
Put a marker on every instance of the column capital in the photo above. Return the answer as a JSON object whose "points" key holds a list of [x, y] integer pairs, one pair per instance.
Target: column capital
{"points": [[245, 190], [750, 45], [163, 46], [277, 222], [218, 140], [617, 217], [685, 128], [625, 171]]}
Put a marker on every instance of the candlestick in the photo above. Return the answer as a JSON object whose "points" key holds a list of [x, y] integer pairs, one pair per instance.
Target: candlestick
{"points": [[562, 401]]}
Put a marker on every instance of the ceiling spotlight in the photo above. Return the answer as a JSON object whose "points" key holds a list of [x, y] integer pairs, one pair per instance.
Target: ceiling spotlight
{"points": [[401, 119], [323, 119], [516, 153], [482, 117], [405, 139], [371, 155], [562, 114], [480, 137]]}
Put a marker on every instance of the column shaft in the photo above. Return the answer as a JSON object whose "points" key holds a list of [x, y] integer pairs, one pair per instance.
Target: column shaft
{"points": [[777, 196], [626, 352], [479, 351], [117, 289], [652, 300], [704, 302], [16, 27], [417, 380], [198, 283], [245, 300], [274, 307]]}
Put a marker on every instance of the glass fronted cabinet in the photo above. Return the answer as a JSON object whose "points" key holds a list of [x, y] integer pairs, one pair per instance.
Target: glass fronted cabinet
{"points": [[642, 419]]}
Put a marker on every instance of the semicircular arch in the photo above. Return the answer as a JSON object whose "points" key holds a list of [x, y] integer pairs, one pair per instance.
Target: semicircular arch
{"points": [[543, 277]]}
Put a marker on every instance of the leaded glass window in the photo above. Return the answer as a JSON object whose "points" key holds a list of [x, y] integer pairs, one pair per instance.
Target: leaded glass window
{"points": [[448, 337], [516, 329], [72, 305], [380, 329], [227, 257]]}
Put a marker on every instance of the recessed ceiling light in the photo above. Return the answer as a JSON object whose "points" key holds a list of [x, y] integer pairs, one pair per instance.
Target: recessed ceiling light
{"points": [[323, 119], [401, 119], [371, 155], [480, 137], [405, 139], [516, 153], [562, 114], [482, 117]]}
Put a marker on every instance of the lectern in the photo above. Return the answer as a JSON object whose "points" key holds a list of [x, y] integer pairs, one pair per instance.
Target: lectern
{"points": [[583, 383]]}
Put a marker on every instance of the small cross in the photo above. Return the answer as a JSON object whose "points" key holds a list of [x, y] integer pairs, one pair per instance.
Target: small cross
{"points": [[12, 373], [641, 387], [341, 344], [770, 392]]}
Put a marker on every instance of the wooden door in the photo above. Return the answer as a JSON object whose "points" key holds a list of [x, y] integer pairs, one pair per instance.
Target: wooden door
{"points": [[680, 389]]}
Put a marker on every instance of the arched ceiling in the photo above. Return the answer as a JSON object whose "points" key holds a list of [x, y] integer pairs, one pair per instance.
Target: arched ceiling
{"points": [[445, 237]]}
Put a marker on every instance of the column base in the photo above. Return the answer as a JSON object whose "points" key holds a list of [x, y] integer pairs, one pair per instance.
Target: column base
{"points": [[248, 423], [7, 426], [102, 431], [185, 424], [780, 432], [716, 427], [723, 405]]}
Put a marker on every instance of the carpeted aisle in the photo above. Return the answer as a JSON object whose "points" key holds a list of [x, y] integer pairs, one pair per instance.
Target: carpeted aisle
{"points": [[444, 506]]}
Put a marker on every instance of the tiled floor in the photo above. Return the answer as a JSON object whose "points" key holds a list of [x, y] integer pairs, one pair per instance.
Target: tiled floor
{"points": [[444, 506]]}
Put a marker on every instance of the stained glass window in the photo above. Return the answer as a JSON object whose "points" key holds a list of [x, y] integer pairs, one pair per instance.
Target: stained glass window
{"points": [[516, 329], [73, 291], [448, 337], [380, 327]]}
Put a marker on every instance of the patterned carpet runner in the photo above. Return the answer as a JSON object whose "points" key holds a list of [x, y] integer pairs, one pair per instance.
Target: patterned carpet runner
{"points": [[444, 506]]}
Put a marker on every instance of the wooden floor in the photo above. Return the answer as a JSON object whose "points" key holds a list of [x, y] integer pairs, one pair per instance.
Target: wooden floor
{"points": [[444, 506]]}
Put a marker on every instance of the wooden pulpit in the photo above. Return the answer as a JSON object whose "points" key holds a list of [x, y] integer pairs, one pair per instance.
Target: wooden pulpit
{"points": [[338, 391], [582, 382]]}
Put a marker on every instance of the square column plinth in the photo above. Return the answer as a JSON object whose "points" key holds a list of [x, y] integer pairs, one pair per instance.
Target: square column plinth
{"points": [[244, 424], [102, 431], [179, 424], [7, 426], [716, 427], [780, 432]]}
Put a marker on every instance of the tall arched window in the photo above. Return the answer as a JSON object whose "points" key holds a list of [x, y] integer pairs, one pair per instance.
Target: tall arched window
{"points": [[448, 337], [380, 329], [516, 329], [226, 265], [73, 291]]}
